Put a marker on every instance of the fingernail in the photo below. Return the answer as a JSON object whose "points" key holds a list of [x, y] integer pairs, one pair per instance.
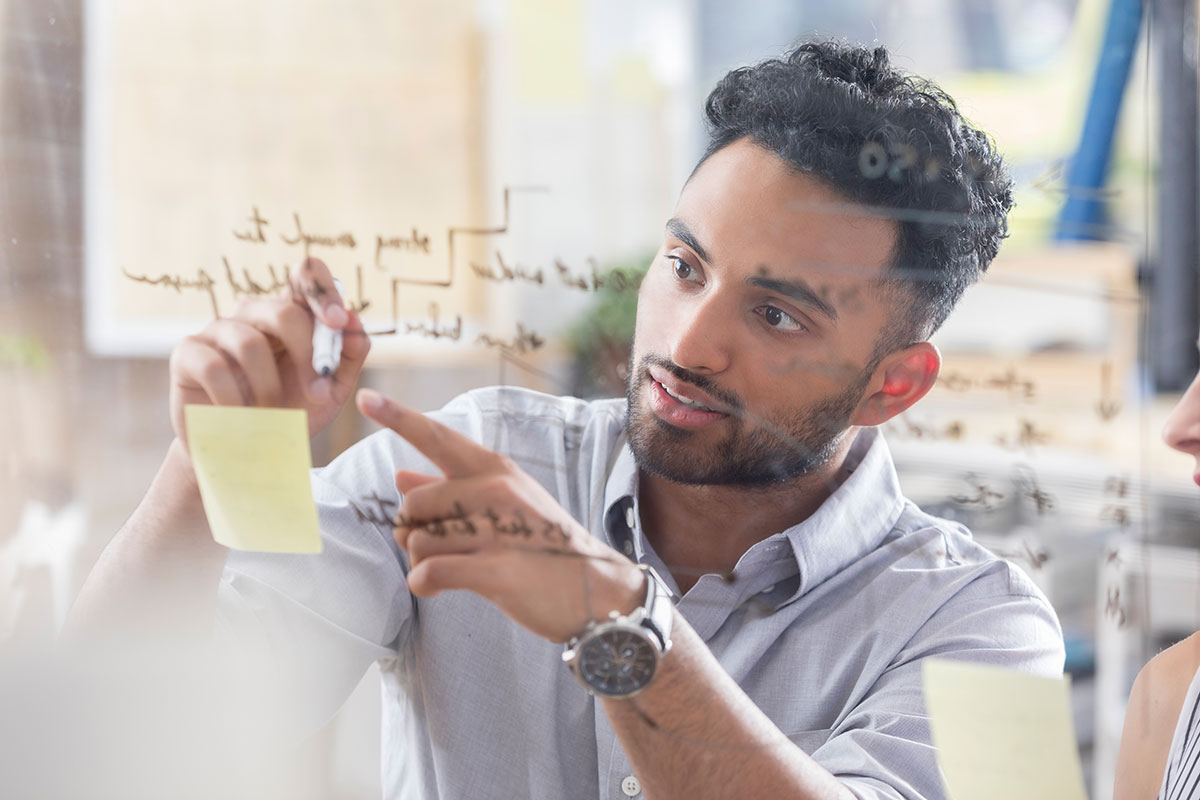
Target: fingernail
{"points": [[337, 315], [370, 400], [318, 390]]}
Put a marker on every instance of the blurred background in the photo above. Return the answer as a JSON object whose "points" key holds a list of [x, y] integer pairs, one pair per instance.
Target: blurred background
{"points": [[489, 178]]}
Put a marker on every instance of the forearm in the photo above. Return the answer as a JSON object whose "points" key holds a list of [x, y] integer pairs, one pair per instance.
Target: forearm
{"points": [[160, 572], [694, 734]]}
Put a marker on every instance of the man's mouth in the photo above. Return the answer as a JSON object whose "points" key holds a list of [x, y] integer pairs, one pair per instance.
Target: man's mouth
{"points": [[685, 401], [679, 403]]}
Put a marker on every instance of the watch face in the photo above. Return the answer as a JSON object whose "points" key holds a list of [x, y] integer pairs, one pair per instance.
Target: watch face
{"points": [[617, 661]]}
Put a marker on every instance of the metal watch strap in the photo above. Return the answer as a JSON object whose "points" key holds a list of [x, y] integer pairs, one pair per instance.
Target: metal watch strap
{"points": [[657, 607], [654, 614]]}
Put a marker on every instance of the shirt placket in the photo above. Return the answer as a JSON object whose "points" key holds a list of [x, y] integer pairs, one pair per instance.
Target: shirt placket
{"points": [[617, 780]]}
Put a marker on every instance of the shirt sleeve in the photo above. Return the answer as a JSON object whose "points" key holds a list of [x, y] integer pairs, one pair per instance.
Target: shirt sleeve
{"points": [[314, 623], [882, 747]]}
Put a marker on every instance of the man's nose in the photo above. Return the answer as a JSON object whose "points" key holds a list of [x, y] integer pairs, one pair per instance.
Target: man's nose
{"points": [[702, 335]]}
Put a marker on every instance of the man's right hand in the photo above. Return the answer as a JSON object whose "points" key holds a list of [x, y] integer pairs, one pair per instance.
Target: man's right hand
{"points": [[262, 355], [158, 576]]}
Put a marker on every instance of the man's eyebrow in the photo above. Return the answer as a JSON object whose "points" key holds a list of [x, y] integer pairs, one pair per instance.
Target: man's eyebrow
{"points": [[677, 228], [797, 290]]}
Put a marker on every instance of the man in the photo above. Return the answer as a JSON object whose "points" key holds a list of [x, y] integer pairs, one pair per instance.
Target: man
{"points": [[839, 212]]}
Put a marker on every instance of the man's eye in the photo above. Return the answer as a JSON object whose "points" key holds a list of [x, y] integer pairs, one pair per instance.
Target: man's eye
{"points": [[778, 318], [683, 270]]}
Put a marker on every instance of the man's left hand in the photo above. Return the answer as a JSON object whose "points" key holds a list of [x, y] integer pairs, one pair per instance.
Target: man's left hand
{"points": [[488, 527]]}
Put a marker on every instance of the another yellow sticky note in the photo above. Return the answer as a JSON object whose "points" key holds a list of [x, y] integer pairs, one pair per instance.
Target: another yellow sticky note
{"points": [[1002, 734], [252, 466]]}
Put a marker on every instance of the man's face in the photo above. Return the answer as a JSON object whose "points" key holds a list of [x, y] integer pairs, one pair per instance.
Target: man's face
{"points": [[756, 324]]}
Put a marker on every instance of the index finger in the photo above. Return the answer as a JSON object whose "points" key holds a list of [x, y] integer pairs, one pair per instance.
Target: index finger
{"points": [[312, 285], [455, 454]]}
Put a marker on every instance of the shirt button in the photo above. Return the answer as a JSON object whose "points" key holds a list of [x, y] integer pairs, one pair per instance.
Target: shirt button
{"points": [[629, 518], [628, 548], [631, 786]]}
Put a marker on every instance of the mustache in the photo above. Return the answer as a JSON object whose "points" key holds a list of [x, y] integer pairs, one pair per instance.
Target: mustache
{"points": [[733, 404]]}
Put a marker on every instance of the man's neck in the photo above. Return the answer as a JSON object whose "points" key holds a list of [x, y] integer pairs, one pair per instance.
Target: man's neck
{"points": [[702, 529]]}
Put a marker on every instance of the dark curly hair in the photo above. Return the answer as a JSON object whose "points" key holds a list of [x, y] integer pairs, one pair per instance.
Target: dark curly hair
{"points": [[888, 140]]}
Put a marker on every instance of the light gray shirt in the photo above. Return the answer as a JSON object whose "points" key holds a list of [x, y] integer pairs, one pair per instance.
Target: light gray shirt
{"points": [[823, 625]]}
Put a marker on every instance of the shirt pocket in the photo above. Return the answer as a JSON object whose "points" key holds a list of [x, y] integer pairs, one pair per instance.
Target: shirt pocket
{"points": [[809, 741]]}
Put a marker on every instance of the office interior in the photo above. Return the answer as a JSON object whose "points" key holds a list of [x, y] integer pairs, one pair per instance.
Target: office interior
{"points": [[140, 141]]}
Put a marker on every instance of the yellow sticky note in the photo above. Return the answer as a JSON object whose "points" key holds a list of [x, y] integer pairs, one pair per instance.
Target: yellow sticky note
{"points": [[252, 466], [1002, 734]]}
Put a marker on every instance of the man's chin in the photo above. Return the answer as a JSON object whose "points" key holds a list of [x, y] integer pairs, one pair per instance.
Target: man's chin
{"points": [[662, 449], [688, 473], [679, 456], [684, 457], [695, 472]]}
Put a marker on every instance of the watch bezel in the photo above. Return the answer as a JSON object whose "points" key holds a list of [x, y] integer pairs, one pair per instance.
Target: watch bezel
{"points": [[650, 624], [596, 632]]}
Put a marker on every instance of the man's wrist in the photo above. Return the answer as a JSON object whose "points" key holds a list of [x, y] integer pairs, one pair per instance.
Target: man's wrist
{"points": [[174, 497], [178, 473], [619, 656], [618, 585]]}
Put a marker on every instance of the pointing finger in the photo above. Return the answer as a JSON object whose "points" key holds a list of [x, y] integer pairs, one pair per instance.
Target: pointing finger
{"points": [[455, 454]]}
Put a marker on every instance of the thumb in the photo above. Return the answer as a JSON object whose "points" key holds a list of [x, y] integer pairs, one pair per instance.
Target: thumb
{"points": [[406, 480]]}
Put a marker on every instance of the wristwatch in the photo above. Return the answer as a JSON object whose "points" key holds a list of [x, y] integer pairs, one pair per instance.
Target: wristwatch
{"points": [[617, 657]]}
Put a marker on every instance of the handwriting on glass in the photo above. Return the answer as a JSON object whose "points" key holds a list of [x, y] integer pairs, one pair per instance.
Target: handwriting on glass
{"points": [[1017, 386], [259, 229], [383, 513]]}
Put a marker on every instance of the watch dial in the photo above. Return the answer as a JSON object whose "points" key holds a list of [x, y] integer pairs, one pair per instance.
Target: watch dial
{"points": [[617, 662]]}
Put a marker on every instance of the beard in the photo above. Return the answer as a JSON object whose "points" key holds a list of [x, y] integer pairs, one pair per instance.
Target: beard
{"points": [[757, 451]]}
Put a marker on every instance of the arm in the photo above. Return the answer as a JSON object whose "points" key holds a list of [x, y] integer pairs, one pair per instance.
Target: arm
{"points": [[160, 572], [708, 739], [1151, 717], [879, 745]]}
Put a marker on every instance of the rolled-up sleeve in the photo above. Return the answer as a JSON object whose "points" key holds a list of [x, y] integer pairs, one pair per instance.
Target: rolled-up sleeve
{"points": [[881, 747], [315, 623]]}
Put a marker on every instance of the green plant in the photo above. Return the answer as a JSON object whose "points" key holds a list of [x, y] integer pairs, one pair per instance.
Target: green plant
{"points": [[600, 341]]}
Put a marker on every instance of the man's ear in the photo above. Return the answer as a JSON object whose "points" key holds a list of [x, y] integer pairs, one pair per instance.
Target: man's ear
{"points": [[900, 380]]}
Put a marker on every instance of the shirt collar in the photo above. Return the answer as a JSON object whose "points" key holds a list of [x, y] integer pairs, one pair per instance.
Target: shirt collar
{"points": [[621, 514], [851, 522]]}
